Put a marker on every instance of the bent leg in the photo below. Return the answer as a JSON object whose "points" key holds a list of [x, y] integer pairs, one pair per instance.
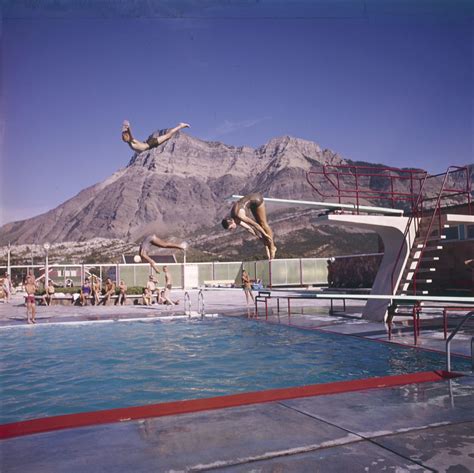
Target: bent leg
{"points": [[143, 254], [260, 216]]}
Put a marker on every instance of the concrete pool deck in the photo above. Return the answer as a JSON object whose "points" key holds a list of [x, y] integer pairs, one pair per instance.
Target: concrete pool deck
{"points": [[414, 427]]}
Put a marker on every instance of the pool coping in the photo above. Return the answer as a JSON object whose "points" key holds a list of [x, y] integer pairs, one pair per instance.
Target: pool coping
{"points": [[362, 337], [84, 419]]}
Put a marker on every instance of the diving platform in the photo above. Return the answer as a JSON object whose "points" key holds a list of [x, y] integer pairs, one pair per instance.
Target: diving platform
{"points": [[331, 206], [413, 243]]}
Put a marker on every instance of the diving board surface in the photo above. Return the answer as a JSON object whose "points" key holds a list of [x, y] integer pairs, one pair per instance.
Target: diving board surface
{"points": [[329, 205]]}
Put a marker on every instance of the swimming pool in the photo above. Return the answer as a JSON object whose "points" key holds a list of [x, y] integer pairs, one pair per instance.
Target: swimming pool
{"points": [[52, 370]]}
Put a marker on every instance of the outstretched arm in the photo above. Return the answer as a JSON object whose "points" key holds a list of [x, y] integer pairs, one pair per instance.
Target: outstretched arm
{"points": [[136, 145], [254, 228]]}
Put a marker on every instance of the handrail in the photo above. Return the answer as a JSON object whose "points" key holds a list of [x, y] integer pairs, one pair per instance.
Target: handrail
{"points": [[418, 212], [333, 174], [450, 338], [414, 214], [187, 304], [436, 211], [201, 308]]}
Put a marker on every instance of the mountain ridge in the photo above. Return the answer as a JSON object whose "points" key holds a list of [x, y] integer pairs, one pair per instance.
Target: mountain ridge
{"points": [[179, 190]]}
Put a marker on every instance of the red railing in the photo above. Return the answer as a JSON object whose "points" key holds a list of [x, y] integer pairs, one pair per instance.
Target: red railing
{"points": [[415, 214], [414, 197], [437, 210], [444, 192], [337, 175]]}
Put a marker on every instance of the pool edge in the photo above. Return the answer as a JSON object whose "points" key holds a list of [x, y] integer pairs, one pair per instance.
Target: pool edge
{"points": [[84, 419]]}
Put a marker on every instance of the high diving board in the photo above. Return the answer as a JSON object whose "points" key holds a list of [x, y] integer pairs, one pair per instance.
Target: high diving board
{"points": [[397, 298], [329, 205]]}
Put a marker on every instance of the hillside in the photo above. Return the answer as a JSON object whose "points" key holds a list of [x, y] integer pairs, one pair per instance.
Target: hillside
{"points": [[179, 190]]}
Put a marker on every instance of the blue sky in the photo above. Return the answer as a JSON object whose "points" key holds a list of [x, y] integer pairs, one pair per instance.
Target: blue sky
{"points": [[386, 85]]}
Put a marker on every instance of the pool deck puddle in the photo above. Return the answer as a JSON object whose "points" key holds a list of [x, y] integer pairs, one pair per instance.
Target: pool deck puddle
{"points": [[426, 426]]}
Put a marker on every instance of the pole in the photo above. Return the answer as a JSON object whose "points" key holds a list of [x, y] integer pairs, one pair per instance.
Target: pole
{"points": [[184, 269], [46, 246], [46, 274], [8, 262]]}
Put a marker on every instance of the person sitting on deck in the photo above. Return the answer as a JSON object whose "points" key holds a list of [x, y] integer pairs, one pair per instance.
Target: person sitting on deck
{"points": [[258, 227], [153, 141], [158, 242], [95, 289], [109, 290], [122, 297], [49, 294], [85, 292], [147, 296]]}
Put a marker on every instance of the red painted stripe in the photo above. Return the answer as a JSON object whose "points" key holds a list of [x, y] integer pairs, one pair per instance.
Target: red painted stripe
{"points": [[69, 421]]}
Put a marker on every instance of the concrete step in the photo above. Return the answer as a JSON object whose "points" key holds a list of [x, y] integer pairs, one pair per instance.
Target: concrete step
{"points": [[418, 281], [427, 248], [408, 292], [431, 239], [420, 270], [425, 259]]}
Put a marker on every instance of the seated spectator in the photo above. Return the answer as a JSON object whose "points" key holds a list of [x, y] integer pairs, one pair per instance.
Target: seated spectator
{"points": [[95, 290], [151, 285], [109, 290], [49, 294], [161, 297], [86, 291], [147, 296], [122, 297]]}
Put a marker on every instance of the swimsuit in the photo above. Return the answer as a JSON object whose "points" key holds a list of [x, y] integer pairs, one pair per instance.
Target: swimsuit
{"points": [[86, 290], [152, 140], [251, 201], [146, 244], [30, 298]]}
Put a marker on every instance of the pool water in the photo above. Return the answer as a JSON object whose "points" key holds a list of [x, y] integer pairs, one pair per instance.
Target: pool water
{"points": [[52, 370]]}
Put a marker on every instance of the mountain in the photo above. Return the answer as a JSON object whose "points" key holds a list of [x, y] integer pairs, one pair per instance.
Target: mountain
{"points": [[173, 190], [179, 190]]}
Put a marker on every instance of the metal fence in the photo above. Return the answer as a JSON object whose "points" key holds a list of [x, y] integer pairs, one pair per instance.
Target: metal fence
{"points": [[281, 272]]}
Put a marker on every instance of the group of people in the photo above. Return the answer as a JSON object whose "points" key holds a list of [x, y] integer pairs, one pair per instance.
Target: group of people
{"points": [[240, 214], [152, 292]]}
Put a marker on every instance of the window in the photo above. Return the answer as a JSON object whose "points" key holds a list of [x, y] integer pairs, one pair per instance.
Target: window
{"points": [[451, 233], [470, 231]]}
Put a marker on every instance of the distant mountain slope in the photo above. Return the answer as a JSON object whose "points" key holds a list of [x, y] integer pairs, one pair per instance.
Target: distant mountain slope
{"points": [[179, 189]]}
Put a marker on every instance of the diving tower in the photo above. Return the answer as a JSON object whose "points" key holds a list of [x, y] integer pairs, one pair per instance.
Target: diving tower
{"points": [[412, 235]]}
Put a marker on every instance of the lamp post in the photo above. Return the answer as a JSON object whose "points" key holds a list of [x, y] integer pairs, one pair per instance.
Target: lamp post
{"points": [[185, 247], [9, 271], [46, 246]]}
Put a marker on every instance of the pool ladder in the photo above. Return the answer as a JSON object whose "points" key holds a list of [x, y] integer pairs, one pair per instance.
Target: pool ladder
{"points": [[187, 304], [201, 306], [450, 338], [201, 309]]}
